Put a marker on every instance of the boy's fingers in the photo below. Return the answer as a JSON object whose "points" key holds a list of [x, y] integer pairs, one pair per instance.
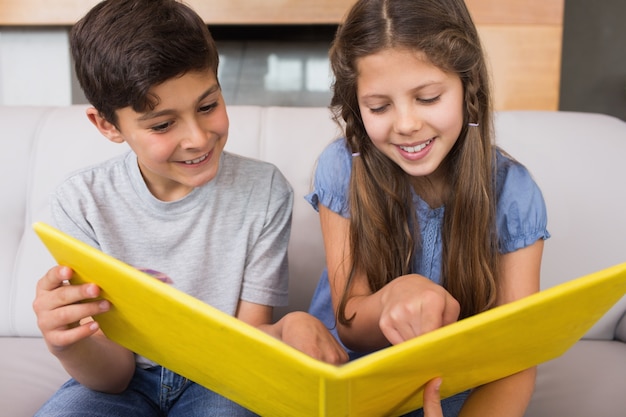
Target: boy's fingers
{"points": [[54, 292], [59, 339], [54, 278], [68, 316]]}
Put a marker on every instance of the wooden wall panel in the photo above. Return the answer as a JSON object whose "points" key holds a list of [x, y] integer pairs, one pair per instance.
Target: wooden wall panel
{"points": [[43, 12], [525, 64], [522, 38], [534, 12], [66, 12], [271, 11]]}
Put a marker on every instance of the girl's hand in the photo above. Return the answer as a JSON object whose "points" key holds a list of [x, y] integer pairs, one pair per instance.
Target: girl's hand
{"points": [[413, 305], [61, 308], [432, 402]]}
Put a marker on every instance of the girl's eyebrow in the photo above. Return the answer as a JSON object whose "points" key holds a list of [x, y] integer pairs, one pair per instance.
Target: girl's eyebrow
{"points": [[413, 90], [154, 114]]}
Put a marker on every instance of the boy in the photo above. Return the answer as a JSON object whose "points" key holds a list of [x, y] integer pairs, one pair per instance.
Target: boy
{"points": [[217, 225]]}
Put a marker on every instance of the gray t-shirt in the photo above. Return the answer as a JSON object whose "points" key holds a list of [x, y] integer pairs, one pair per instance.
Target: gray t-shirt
{"points": [[225, 241]]}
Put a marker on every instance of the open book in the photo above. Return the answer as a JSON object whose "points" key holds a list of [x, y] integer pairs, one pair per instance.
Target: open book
{"points": [[271, 378]]}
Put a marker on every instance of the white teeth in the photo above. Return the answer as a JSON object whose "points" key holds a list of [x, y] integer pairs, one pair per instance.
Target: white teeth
{"points": [[196, 161], [412, 149]]}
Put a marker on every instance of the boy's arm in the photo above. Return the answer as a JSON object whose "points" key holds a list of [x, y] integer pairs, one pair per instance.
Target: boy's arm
{"points": [[64, 317], [298, 329]]}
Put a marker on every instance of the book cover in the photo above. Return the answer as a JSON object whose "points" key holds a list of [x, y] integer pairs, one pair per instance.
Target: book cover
{"points": [[271, 378]]}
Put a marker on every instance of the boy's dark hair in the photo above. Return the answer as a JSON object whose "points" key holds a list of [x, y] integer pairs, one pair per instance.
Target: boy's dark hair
{"points": [[123, 48]]}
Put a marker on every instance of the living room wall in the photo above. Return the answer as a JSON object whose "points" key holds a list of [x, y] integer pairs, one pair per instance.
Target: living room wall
{"points": [[593, 71], [590, 65]]}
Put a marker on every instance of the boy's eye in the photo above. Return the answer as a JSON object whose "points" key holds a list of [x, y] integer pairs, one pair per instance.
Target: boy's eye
{"points": [[207, 108], [161, 127]]}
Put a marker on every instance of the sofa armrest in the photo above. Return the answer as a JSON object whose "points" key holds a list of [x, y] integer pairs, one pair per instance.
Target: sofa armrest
{"points": [[620, 330]]}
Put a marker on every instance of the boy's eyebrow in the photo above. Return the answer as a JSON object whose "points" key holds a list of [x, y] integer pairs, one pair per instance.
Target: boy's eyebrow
{"points": [[214, 88], [153, 114]]}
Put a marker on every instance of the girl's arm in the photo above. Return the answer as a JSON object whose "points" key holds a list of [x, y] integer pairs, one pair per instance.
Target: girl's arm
{"points": [[412, 305], [406, 307], [510, 396]]}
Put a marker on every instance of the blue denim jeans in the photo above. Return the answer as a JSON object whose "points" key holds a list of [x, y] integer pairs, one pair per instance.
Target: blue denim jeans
{"points": [[451, 406], [154, 392]]}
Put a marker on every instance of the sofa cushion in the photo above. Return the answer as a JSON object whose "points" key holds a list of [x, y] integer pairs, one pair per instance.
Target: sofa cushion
{"points": [[63, 141], [19, 129], [577, 160], [588, 380], [30, 375], [620, 332]]}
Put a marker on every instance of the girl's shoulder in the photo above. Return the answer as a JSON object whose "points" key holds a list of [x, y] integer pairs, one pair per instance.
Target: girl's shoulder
{"points": [[336, 151], [511, 173], [335, 164], [521, 214], [332, 178]]}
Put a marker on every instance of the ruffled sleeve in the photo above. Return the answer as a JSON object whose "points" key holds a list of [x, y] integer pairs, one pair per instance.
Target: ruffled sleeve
{"points": [[332, 179], [521, 211]]}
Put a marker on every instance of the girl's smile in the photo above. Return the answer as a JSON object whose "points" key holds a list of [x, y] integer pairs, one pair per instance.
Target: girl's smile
{"points": [[411, 109], [418, 151]]}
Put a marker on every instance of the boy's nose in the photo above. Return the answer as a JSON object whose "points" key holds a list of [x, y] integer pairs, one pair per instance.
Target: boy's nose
{"points": [[195, 135]]}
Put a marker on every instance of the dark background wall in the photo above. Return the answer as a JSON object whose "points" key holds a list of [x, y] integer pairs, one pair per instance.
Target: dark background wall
{"points": [[593, 72]]}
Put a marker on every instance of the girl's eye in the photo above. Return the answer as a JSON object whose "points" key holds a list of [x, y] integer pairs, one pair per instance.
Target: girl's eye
{"points": [[378, 110], [429, 100]]}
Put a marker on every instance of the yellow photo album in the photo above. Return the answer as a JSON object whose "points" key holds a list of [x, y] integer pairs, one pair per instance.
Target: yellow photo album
{"points": [[271, 378]]}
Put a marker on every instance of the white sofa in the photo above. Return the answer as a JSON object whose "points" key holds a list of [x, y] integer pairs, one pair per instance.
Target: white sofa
{"points": [[577, 159]]}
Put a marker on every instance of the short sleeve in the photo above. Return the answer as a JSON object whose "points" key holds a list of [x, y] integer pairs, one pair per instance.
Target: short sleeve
{"points": [[521, 211], [332, 179]]}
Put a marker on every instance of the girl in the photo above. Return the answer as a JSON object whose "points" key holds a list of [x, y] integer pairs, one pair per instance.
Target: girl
{"points": [[425, 221]]}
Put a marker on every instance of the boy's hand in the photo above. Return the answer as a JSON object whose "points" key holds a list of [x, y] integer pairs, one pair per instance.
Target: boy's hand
{"points": [[309, 335], [62, 315]]}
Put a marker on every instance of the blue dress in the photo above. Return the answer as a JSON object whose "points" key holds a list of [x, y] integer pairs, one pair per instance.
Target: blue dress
{"points": [[521, 220]]}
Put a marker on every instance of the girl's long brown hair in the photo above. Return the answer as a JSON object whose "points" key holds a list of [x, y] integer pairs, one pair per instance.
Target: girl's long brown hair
{"points": [[384, 230]]}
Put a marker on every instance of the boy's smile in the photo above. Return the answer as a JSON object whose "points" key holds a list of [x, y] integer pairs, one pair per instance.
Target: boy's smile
{"points": [[178, 143], [197, 161]]}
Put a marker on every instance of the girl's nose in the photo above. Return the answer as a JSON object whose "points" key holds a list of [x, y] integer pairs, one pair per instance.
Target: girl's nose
{"points": [[407, 121]]}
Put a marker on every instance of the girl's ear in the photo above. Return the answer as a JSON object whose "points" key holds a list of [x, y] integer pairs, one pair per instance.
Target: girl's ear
{"points": [[105, 127]]}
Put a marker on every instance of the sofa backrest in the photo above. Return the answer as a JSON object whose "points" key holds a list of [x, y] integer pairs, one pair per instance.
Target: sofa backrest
{"points": [[575, 158], [45, 144]]}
